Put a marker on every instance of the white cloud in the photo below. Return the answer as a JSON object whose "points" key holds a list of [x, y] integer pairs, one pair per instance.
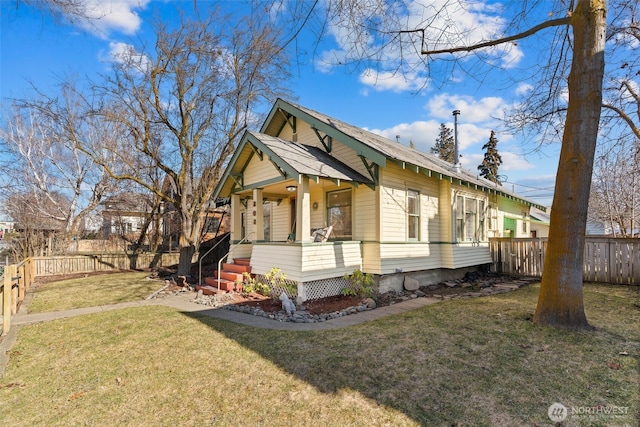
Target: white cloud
{"points": [[514, 162], [124, 53], [523, 89], [423, 134], [446, 24], [395, 82], [471, 110], [105, 17]]}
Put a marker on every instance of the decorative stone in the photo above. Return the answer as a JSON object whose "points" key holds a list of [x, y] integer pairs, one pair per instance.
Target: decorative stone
{"points": [[411, 284], [370, 303]]}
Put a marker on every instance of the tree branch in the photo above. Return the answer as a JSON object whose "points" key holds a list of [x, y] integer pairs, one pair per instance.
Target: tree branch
{"points": [[547, 24]]}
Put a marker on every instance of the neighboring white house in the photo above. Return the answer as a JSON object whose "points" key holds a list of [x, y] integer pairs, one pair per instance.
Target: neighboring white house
{"points": [[341, 198], [540, 222]]}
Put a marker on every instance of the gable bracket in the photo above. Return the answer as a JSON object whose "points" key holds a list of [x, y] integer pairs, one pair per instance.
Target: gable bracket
{"points": [[326, 140], [373, 170], [290, 120], [256, 150], [238, 179]]}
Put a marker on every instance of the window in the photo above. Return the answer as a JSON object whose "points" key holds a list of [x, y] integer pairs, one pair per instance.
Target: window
{"points": [[266, 220], [413, 214], [481, 220], [459, 218], [469, 219], [524, 222], [339, 213]]}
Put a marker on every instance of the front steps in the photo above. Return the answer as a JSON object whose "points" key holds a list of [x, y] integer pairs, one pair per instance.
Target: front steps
{"points": [[230, 278]]}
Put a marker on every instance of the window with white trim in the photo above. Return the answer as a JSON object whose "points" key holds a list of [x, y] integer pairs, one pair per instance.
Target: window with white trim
{"points": [[339, 213], [413, 215], [469, 219]]}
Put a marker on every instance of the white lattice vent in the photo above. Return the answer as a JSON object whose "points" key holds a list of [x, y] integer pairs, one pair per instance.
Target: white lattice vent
{"points": [[325, 287], [277, 290]]}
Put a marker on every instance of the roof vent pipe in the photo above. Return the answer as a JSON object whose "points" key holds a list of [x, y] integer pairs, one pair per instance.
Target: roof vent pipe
{"points": [[456, 153]]}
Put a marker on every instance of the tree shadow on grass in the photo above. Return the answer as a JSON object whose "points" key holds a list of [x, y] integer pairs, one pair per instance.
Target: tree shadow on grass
{"points": [[394, 361]]}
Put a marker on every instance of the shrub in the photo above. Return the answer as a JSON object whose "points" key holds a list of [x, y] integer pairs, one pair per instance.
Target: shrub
{"points": [[276, 280], [360, 284], [251, 285]]}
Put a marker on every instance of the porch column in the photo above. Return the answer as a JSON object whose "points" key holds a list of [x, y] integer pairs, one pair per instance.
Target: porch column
{"points": [[303, 211], [257, 216], [236, 223]]}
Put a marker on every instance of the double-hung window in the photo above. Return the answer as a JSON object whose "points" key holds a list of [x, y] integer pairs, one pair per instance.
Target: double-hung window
{"points": [[413, 215], [469, 219], [339, 213]]}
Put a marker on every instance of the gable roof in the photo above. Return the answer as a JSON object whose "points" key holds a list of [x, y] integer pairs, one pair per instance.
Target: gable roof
{"points": [[379, 150], [291, 159]]}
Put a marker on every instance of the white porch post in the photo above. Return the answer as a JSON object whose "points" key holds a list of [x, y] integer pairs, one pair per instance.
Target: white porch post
{"points": [[303, 211], [257, 218], [236, 223]]}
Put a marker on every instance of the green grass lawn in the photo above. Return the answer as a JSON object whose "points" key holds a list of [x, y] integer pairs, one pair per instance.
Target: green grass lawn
{"points": [[480, 362], [92, 290]]}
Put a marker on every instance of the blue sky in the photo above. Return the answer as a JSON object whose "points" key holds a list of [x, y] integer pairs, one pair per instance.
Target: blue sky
{"points": [[40, 50]]}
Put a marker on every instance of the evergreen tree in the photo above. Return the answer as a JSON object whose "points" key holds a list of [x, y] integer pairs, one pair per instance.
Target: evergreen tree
{"points": [[492, 160], [444, 147]]}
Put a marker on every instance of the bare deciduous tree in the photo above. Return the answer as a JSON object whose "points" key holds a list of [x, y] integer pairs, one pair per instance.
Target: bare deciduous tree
{"points": [[64, 185], [615, 194], [181, 107]]}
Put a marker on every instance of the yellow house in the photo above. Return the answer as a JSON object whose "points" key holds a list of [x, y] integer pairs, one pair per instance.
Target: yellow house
{"points": [[319, 198]]}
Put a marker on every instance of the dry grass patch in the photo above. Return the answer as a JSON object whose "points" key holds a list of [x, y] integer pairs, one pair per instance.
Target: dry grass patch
{"points": [[477, 362], [91, 291]]}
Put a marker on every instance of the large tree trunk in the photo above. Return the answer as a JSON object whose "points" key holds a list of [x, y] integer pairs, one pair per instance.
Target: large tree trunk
{"points": [[186, 255], [560, 302], [189, 243]]}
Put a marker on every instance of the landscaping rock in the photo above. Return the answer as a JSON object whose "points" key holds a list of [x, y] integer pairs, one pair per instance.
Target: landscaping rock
{"points": [[370, 303], [411, 284]]}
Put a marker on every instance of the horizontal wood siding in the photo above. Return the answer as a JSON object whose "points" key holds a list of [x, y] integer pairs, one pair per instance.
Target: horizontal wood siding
{"points": [[405, 257], [280, 221], [606, 260], [466, 255], [371, 262], [394, 184], [365, 213], [259, 171], [307, 262]]}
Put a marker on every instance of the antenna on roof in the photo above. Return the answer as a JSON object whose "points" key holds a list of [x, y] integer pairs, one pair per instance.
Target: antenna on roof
{"points": [[397, 138], [456, 153]]}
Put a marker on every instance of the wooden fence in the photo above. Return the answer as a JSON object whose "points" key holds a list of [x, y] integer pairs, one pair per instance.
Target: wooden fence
{"points": [[15, 282], [608, 260], [50, 266]]}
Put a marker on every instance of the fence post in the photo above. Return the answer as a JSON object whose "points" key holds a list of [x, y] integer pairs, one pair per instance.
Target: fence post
{"points": [[6, 302]]}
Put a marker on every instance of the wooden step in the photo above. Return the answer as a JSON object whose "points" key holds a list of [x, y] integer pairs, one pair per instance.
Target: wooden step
{"points": [[236, 268], [228, 275], [225, 285], [208, 290], [242, 261]]}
